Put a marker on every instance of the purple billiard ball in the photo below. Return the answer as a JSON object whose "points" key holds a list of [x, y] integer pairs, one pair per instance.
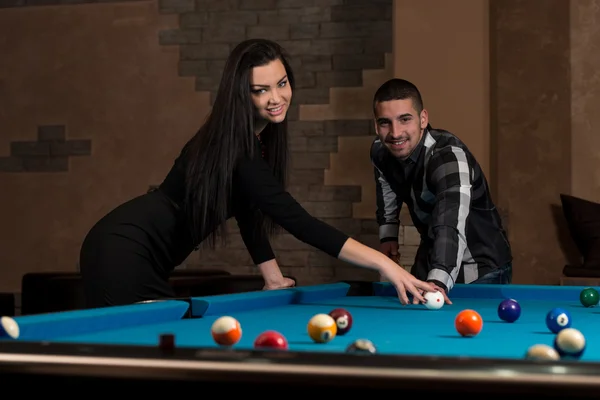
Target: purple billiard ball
{"points": [[509, 310]]}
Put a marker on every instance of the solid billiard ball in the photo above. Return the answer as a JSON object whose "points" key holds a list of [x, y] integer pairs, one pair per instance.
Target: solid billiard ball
{"points": [[542, 352], [226, 331], [343, 320], [271, 340], [9, 328], [434, 300], [361, 346], [468, 323], [570, 343], [558, 319], [589, 297], [509, 310], [322, 328]]}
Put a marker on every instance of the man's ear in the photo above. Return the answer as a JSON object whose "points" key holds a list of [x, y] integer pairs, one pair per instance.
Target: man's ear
{"points": [[424, 119]]}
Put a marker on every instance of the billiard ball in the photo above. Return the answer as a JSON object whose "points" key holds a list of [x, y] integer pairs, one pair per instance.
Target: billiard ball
{"points": [[542, 352], [226, 331], [509, 310], [361, 346], [9, 328], [343, 320], [589, 297], [434, 300], [322, 328], [570, 343], [558, 319], [271, 340], [468, 323]]}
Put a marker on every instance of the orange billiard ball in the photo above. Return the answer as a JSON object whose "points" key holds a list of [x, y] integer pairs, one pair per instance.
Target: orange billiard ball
{"points": [[468, 323], [226, 331]]}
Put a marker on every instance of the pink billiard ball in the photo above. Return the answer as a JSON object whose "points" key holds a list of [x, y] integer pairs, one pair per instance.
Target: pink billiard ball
{"points": [[271, 340], [343, 320]]}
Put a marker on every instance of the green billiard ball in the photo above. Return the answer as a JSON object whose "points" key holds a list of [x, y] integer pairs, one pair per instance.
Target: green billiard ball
{"points": [[589, 297]]}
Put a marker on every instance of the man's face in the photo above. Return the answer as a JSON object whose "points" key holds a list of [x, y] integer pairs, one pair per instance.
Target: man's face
{"points": [[399, 126]]}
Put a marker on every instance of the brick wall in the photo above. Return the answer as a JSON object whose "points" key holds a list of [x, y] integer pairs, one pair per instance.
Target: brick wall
{"points": [[49, 153], [332, 43]]}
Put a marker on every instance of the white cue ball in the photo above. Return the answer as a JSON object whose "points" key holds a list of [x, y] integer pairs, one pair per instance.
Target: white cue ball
{"points": [[569, 342], [434, 300]]}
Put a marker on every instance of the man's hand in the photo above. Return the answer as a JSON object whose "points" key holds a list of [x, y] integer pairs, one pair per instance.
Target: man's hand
{"points": [[390, 249]]}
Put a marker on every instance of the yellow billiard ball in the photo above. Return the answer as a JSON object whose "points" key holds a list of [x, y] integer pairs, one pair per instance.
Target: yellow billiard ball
{"points": [[322, 328]]}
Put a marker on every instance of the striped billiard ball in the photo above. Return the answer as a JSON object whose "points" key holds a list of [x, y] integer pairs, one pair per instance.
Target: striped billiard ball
{"points": [[343, 320]]}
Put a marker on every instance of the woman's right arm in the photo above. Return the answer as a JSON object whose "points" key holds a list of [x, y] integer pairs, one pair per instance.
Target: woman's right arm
{"points": [[254, 178]]}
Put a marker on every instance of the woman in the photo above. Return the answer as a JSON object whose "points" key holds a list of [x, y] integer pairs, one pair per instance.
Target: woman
{"points": [[235, 166]]}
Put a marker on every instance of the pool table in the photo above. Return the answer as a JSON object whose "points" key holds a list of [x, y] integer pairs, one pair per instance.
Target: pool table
{"points": [[417, 348]]}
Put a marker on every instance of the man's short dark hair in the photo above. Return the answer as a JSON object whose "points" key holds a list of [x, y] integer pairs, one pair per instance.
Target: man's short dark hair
{"points": [[398, 89]]}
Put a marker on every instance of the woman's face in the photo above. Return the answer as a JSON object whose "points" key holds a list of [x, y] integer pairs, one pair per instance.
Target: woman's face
{"points": [[271, 91]]}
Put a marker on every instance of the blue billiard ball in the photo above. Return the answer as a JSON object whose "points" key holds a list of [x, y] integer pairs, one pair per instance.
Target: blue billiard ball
{"points": [[558, 319], [570, 343], [509, 310]]}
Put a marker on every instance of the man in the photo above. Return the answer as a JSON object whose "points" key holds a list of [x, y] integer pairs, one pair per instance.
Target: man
{"points": [[436, 176]]}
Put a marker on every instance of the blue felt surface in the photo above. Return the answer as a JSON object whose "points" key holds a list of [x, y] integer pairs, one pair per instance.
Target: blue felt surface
{"points": [[395, 329], [53, 325], [216, 305], [483, 291]]}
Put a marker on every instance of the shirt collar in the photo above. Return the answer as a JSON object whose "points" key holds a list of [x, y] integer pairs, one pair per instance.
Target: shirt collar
{"points": [[414, 156]]}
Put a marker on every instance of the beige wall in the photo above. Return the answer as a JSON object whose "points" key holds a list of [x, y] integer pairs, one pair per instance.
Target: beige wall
{"points": [[585, 99], [129, 103], [443, 48]]}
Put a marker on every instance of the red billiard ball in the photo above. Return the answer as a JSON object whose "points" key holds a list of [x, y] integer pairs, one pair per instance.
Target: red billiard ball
{"points": [[271, 340], [343, 320]]}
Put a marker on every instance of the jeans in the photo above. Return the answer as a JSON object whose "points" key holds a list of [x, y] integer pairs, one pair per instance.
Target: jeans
{"points": [[502, 275]]}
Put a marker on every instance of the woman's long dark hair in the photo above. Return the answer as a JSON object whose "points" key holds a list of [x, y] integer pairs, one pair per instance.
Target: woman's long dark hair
{"points": [[227, 135]]}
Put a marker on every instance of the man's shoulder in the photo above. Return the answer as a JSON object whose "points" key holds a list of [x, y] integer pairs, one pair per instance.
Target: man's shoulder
{"points": [[446, 142], [378, 151]]}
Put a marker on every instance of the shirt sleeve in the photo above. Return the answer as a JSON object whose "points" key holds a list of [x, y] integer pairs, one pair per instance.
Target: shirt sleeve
{"points": [[449, 178], [387, 209], [256, 181], [254, 236], [387, 212]]}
